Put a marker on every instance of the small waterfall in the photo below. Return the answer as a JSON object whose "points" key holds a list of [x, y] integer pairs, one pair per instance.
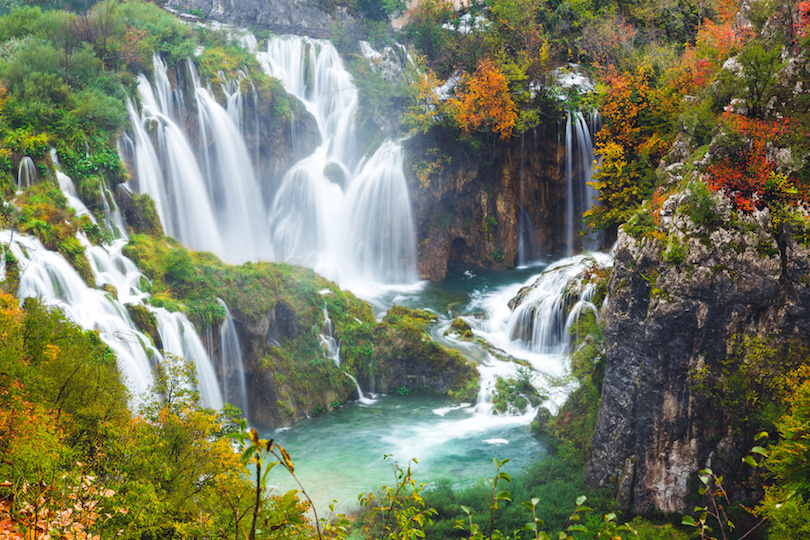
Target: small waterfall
{"points": [[181, 339], [230, 362], [537, 316], [26, 173], [69, 189], [332, 350], [579, 196], [569, 188]]}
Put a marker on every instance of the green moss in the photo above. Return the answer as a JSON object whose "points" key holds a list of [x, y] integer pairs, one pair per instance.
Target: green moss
{"points": [[460, 328], [146, 322]]}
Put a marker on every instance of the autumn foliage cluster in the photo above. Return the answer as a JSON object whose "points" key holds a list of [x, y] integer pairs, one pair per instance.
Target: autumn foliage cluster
{"points": [[75, 463], [749, 175]]}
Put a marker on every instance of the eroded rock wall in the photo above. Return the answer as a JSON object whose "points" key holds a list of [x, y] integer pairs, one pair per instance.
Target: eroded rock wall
{"points": [[467, 203], [666, 321]]}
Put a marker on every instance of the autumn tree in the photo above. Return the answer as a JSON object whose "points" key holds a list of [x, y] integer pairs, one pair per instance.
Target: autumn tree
{"points": [[484, 102]]}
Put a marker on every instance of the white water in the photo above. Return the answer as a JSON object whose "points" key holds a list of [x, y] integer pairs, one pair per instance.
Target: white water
{"points": [[357, 233], [541, 322], [231, 366], [579, 161], [332, 350], [46, 275], [26, 173], [353, 233]]}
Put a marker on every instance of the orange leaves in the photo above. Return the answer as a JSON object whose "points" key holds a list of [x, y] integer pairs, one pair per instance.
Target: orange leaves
{"points": [[485, 102]]}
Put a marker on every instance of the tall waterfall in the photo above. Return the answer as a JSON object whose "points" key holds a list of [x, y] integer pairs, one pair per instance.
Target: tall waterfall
{"points": [[579, 196], [356, 232], [361, 230]]}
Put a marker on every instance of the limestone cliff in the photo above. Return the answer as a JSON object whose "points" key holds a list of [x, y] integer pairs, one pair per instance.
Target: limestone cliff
{"points": [[303, 17], [675, 309], [468, 203]]}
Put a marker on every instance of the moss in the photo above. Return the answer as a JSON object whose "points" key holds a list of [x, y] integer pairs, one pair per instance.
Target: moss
{"points": [[146, 322], [141, 215], [460, 328], [44, 213], [515, 393]]}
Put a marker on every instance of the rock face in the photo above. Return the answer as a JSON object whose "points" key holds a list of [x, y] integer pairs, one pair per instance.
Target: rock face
{"points": [[667, 321], [304, 17], [468, 204], [288, 373]]}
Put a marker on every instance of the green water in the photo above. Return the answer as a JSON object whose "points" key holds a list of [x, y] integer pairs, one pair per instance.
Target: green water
{"points": [[339, 455]]}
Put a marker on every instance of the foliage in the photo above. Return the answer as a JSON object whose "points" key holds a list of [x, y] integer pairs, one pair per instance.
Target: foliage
{"points": [[485, 102], [575, 421], [399, 510], [635, 134], [753, 380], [747, 175]]}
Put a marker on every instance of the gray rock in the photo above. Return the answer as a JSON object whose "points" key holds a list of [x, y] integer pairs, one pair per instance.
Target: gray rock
{"points": [[655, 429]]}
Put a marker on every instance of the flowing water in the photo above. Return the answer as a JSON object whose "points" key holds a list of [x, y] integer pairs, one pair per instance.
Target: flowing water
{"points": [[340, 454], [359, 232]]}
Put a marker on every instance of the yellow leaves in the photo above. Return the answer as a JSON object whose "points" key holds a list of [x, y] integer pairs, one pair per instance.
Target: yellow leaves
{"points": [[485, 102], [427, 109]]}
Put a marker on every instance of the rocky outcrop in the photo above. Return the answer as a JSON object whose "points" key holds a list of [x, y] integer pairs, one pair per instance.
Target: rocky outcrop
{"points": [[278, 311], [673, 313], [468, 203], [303, 17]]}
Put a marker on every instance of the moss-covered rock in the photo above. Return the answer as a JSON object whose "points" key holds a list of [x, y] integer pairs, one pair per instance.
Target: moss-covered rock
{"points": [[460, 328], [146, 322], [400, 354], [140, 212], [278, 310]]}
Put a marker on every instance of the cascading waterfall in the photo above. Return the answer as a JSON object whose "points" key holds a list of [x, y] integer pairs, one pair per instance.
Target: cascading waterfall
{"points": [[536, 316], [355, 232], [48, 276], [230, 363], [176, 332], [569, 189], [359, 231], [180, 339], [331, 348]]}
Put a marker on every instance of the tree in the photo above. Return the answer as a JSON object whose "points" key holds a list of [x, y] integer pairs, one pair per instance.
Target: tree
{"points": [[485, 102]]}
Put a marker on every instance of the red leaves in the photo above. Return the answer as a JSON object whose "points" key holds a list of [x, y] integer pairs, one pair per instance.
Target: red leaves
{"points": [[748, 176]]}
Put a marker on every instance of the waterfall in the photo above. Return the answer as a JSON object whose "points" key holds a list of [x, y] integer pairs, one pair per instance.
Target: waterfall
{"points": [[579, 196], [230, 363], [537, 316], [177, 334], [569, 188], [180, 338], [26, 173], [332, 350], [48, 276], [356, 231]]}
